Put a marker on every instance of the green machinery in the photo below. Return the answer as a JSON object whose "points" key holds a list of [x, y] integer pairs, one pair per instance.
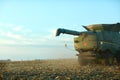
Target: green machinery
{"points": [[99, 42]]}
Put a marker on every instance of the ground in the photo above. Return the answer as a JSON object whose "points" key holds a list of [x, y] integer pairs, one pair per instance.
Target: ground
{"points": [[62, 69]]}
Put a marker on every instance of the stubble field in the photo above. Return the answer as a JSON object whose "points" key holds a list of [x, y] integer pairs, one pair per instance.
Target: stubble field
{"points": [[63, 69]]}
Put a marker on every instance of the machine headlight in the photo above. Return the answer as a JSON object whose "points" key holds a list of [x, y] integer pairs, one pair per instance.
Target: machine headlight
{"points": [[101, 42]]}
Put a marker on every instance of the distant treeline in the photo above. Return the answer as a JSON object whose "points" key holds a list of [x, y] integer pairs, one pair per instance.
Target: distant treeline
{"points": [[8, 60]]}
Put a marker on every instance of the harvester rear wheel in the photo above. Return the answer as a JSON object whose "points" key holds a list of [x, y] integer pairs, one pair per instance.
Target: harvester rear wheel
{"points": [[118, 58], [109, 59]]}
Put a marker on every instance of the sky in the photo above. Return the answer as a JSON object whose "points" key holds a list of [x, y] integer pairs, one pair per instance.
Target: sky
{"points": [[27, 27]]}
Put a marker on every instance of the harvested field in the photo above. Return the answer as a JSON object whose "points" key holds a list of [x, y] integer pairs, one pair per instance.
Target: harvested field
{"points": [[66, 69]]}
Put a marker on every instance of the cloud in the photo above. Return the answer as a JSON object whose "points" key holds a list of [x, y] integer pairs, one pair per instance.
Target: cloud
{"points": [[9, 25], [14, 28], [18, 34], [14, 36], [6, 41], [17, 28], [10, 35], [1, 24]]}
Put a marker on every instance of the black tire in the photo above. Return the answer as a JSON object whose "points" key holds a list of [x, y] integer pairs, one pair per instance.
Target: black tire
{"points": [[118, 58], [98, 59], [109, 58]]}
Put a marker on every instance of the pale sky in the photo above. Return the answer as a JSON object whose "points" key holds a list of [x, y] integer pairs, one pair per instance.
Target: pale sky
{"points": [[27, 27]]}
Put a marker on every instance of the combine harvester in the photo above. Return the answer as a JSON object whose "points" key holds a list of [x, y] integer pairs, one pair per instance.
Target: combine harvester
{"points": [[100, 43]]}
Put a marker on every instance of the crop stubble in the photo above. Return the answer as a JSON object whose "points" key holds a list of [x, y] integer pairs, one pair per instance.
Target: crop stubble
{"points": [[63, 69]]}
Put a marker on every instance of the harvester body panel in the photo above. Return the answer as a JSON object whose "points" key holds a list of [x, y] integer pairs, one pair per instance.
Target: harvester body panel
{"points": [[86, 41]]}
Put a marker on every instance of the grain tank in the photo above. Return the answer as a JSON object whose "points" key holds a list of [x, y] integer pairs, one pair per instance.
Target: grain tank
{"points": [[99, 42]]}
